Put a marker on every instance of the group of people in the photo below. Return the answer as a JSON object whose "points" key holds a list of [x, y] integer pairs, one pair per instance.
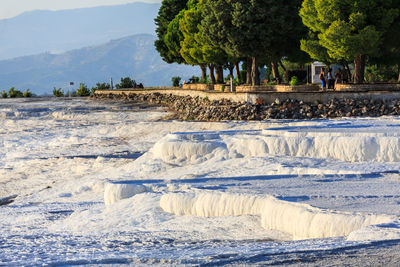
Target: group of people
{"points": [[135, 85], [329, 80]]}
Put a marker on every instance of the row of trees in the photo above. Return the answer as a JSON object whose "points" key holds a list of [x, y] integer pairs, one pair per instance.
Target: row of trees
{"points": [[219, 34], [84, 90], [14, 93]]}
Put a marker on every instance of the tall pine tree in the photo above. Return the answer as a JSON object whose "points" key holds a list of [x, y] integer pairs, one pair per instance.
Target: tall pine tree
{"points": [[349, 30], [196, 48], [168, 11], [253, 29]]}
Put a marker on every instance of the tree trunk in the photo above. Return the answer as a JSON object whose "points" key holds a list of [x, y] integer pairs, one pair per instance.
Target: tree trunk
{"points": [[283, 66], [359, 66], [203, 72], [237, 70], [346, 73], [286, 73], [231, 67], [248, 71], [219, 74], [255, 73], [212, 77], [275, 72], [398, 71]]}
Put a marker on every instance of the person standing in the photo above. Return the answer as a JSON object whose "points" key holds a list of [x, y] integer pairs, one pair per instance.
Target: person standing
{"points": [[322, 78], [345, 75], [331, 79], [338, 76]]}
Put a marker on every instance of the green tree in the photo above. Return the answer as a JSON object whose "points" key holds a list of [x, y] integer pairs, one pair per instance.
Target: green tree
{"points": [[190, 51], [311, 46], [58, 92], [349, 30], [100, 86], [390, 52], [83, 90], [175, 81], [14, 93], [28, 93], [167, 12], [126, 83], [174, 37], [253, 29], [196, 49]]}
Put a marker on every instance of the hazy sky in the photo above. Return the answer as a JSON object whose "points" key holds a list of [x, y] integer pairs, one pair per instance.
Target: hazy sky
{"points": [[11, 8]]}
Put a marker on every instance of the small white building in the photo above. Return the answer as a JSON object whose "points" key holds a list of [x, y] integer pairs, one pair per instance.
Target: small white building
{"points": [[316, 68]]}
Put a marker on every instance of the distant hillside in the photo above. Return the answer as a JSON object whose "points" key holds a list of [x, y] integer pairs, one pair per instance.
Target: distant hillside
{"points": [[133, 56], [59, 31]]}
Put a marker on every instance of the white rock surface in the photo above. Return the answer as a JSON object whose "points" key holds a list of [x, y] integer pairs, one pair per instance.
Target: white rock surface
{"points": [[301, 221], [114, 192]]}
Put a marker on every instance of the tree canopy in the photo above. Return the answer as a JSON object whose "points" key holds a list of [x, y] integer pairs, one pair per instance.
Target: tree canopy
{"points": [[254, 29], [174, 37], [195, 47], [189, 26], [168, 10], [217, 33], [347, 30]]}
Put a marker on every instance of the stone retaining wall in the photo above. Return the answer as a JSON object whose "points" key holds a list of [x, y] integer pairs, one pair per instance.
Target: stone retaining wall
{"points": [[267, 97], [204, 109], [250, 88], [222, 88], [368, 87], [278, 88], [198, 86], [206, 87], [321, 97], [211, 95], [296, 88]]}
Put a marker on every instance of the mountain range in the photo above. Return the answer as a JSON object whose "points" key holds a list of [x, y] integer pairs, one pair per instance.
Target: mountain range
{"points": [[60, 31], [133, 56], [41, 49]]}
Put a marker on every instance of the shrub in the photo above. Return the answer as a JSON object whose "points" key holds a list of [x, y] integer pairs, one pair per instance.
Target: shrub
{"points": [[271, 83], [205, 81], [83, 90], [380, 73], [15, 93], [27, 93], [194, 79], [58, 92], [175, 81], [100, 86], [4, 94], [223, 88], [294, 81], [126, 83], [12, 93], [301, 75]]}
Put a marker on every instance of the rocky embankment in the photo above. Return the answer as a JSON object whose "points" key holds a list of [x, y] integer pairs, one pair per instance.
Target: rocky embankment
{"points": [[202, 109]]}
